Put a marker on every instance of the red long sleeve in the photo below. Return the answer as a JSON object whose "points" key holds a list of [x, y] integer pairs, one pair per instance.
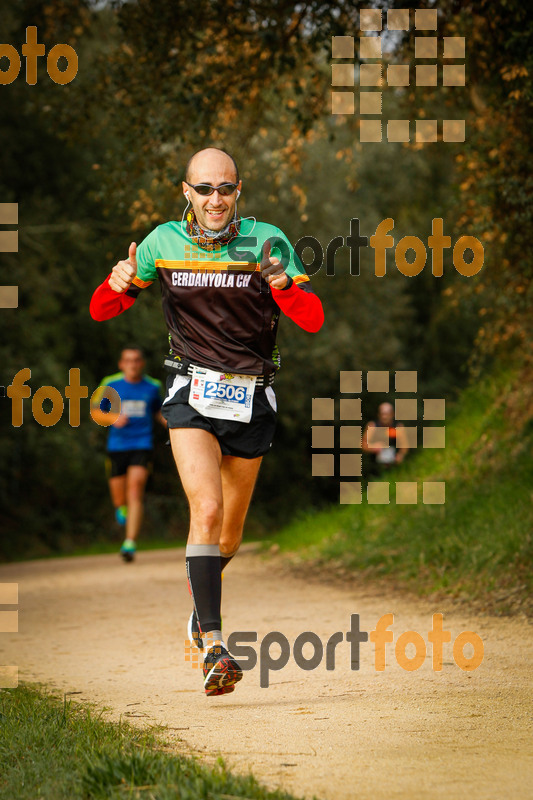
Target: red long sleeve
{"points": [[304, 308], [106, 303]]}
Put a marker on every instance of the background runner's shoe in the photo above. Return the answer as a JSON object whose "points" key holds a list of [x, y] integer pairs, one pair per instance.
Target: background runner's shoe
{"points": [[121, 514], [193, 631], [221, 671], [127, 551]]}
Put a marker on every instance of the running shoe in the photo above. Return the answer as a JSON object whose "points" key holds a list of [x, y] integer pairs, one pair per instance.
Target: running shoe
{"points": [[121, 514], [127, 551], [193, 631], [221, 671]]}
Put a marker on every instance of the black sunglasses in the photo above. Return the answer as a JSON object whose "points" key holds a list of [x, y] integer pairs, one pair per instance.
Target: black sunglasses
{"points": [[205, 189]]}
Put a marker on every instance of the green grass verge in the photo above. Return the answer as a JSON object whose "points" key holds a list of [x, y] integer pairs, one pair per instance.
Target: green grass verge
{"points": [[479, 544], [54, 750]]}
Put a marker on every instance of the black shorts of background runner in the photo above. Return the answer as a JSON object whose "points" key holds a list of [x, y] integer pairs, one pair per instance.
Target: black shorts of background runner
{"points": [[242, 439], [118, 461]]}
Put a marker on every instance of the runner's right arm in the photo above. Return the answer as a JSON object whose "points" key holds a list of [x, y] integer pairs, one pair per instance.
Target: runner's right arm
{"points": [[106, 303], [119, 290], [126, 280]]}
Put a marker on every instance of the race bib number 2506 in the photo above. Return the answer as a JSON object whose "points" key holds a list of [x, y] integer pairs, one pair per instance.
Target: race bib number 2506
{"points": [[222, 396]]}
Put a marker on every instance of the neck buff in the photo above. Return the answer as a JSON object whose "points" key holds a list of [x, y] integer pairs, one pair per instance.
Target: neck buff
{"points": [[210, 240]]}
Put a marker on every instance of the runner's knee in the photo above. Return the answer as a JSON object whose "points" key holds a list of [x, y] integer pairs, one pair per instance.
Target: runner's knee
{"points": [[230, 543], [207, 513], [135, 490]]}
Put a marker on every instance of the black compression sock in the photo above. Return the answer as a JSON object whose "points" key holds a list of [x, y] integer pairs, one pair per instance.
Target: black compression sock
{"points": [[203, 573], [224, 560]]}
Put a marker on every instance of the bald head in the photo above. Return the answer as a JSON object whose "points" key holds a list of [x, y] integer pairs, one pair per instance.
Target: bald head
{"points": [[213, 167], [204, 164], [386, 413]]}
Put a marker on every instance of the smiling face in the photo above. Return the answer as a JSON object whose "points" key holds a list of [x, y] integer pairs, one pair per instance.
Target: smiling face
{"points": [[213, 167]]}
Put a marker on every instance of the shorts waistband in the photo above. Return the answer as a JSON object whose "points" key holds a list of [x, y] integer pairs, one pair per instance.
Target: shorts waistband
{"points": [[183, 367]]}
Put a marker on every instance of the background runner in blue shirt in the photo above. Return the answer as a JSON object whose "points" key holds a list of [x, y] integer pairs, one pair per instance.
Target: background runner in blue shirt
{"points": [[130, 441]]}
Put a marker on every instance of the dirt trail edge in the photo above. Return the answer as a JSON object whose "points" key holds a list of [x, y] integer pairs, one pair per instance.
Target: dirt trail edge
{"points": [[116, 634]]}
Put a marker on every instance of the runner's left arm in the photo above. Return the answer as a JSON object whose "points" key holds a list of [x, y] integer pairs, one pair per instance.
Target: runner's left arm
{"points": [[297, 299], [300, 304]]}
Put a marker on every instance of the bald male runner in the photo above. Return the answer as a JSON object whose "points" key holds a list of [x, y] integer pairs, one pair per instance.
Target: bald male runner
{"points": [[222, 294]]}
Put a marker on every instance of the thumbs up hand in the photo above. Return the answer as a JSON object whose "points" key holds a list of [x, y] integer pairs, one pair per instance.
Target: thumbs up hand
{"points": [[272, 268], [124, 272]]}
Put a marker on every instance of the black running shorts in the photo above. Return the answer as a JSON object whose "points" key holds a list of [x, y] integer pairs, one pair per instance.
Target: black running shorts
{"points": [[118, 461], [242, 439]]}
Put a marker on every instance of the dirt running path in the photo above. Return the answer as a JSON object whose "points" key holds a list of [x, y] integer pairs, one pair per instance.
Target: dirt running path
{"points": [[115, 633]]}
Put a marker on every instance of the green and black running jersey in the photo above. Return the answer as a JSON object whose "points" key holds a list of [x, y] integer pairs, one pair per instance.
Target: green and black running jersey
{"points": [[219, 311]]}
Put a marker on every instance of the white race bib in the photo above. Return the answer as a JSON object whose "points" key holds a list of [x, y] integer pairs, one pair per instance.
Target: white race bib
{"points": [[387, 455], [222, 396], [134, 408]]}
